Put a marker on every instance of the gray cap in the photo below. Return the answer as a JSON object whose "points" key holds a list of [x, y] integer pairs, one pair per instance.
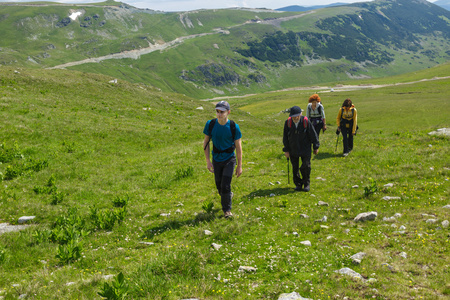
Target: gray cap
{"points": [[223, 106]]}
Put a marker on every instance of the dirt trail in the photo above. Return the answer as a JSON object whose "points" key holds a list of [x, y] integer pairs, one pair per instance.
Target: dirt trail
{"points": [[134, 54], [328, 89]]}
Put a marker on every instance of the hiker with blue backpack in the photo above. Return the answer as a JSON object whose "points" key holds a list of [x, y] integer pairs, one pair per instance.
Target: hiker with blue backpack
{"points": [[316, 114], [298, 136], [226, 138], [347, 125]]}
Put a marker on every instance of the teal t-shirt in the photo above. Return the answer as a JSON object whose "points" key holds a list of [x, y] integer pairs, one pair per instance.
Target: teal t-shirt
{"points": [[222, 139]]}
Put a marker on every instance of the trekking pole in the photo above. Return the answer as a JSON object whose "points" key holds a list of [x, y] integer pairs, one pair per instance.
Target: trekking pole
{"points": [[288, 169], [337, 139]]}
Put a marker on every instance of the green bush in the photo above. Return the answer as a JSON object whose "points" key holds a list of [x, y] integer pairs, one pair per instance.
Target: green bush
{"points": [[118, 289]]}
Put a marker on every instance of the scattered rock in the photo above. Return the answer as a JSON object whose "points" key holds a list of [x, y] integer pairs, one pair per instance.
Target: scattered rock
{"points": [[391, 268], [246, 269], [107, 277], [441, 131], [200, 108], [304, 216], [404, 255], [388, 198], [178, 211], [165, 215], [70, 283], [113, 81], [292, 296], [320, 178], [324, 226], [295, 233], [367, 216], [445, 223], [431, 221], [350, 272], [306, 243], [25, 219], [389, 185], [321, 203], [147, 243], [446, 206], [357, 258], [355, 186], [216, 246], [207, 232], [272, 195]]}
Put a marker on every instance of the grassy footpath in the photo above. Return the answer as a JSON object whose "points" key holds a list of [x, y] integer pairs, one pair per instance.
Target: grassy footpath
{"points": [[116, 177]]}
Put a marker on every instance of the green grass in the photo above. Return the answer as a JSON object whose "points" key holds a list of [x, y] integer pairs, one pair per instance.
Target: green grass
{"points": [[98, 164]]}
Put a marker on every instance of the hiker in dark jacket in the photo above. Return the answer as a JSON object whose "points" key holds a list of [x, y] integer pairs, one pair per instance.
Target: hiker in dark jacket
{"points": [[226, 137], [298, 135]]}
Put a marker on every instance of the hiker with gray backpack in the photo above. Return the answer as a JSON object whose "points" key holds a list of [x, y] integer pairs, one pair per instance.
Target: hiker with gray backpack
{"points": [[316, 114], [298, 136], [226, 138]]}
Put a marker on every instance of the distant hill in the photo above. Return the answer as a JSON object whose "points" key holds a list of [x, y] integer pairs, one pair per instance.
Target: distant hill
{"points": [[443, 3], [227, 52], [306, 8]]}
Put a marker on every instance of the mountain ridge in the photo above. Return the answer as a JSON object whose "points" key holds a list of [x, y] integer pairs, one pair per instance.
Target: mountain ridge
{"points": [[234, 51]]}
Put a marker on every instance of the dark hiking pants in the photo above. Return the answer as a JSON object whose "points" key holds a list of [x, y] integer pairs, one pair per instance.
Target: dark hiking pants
{"points": [[304, 170], [347, 137], [223, 173]]}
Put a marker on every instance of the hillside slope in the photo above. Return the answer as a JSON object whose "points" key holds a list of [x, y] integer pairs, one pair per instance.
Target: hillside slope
{"points": [[116, 178]]}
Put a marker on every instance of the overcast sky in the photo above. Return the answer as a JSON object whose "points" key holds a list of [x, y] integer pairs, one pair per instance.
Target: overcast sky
{"points": [[186, 5]]}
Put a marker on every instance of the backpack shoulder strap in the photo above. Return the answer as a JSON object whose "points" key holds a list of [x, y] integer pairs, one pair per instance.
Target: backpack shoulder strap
{"points": [[289, 122], [211, 126], [305, 122], [233, 129]]}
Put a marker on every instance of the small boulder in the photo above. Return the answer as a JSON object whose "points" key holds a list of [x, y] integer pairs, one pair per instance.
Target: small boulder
{"points": [[367, 216]]}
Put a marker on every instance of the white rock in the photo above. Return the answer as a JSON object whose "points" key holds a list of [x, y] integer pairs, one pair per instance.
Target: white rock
{"points": [[216, 246], [446, 206], [70, 283], [359, 255], [431, 221], [25, 219], [388, 185], [200, 108], [246, 269], [355, 186], [107, 277], [445, 223], [178, 211], [147, 243], [402, 227], [324, 219], [350, 272], [404, 255], [295, 233], [306, 243], [164, 215], [367, 216], [304, 216], [321, 203], [272, 195], [207, 232], [388, 198], [292, 296]]}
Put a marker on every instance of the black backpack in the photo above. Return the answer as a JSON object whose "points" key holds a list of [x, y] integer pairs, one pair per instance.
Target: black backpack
{"points": [[233, 134]]}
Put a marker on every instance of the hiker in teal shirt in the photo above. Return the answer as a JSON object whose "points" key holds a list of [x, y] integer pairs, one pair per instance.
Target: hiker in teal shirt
{"points": [[226, 137]]}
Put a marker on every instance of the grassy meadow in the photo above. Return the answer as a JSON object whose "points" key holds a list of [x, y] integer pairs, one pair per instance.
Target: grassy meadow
{"points": [[116, 177]]}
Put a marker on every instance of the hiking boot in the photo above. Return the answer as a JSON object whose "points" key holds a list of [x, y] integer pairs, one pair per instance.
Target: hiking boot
{"points": [[298, 188], [228, 214], [306, 188], [345, 154]]}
